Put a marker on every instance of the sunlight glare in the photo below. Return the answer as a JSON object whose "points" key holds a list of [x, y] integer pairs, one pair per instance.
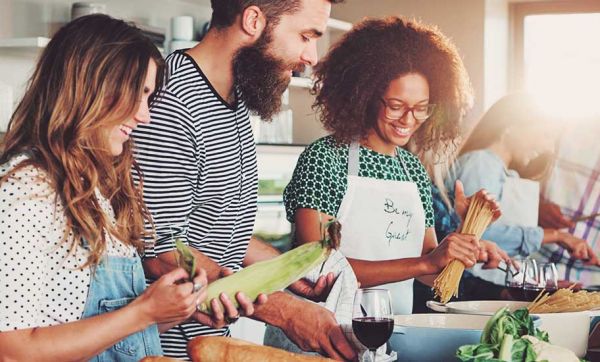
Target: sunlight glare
{"points": [[562, 63]]}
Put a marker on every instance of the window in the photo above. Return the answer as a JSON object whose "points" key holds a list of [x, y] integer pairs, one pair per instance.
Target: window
{"points": [[557, 55]]}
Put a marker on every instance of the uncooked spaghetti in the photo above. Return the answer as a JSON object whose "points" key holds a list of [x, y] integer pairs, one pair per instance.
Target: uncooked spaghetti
{"points": [[564, 300], [479, 216]]}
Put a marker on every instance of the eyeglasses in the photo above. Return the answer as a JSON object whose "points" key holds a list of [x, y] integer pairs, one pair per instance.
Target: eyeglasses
{"points": [[395, 112]]}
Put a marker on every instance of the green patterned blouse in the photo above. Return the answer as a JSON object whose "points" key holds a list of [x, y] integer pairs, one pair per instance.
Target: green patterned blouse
{"points": [[320, 179]]}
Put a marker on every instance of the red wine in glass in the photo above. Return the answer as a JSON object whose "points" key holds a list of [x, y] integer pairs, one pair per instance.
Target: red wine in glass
{"points": [[516, 293], [372, 318], [372, 332]]}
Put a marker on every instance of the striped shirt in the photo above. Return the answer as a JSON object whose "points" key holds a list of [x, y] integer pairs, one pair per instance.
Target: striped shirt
{"points": [[198, 159], [575, 186]]}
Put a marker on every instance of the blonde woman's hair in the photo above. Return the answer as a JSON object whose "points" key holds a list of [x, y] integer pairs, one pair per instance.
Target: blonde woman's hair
{"points": [[89, 78]]}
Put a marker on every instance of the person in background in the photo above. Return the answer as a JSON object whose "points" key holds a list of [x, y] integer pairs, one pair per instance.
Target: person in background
{"points": [[388, 86], [199, 159], [509, 149], [571, 192], [73, 287]]}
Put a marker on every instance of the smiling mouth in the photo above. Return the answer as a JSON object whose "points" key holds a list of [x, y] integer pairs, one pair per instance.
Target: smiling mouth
{"points": [[126, 130], [402, 131]]}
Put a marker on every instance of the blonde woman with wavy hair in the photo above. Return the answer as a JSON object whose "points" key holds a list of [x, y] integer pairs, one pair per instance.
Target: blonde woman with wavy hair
{"points": [[72, 218]]}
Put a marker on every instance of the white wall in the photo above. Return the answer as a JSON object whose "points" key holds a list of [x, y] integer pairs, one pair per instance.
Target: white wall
{"points": [[495, 49], [477, 27]]}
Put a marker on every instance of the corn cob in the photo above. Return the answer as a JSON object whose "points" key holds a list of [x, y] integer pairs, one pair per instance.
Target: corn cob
{"points": [[275, 274]]}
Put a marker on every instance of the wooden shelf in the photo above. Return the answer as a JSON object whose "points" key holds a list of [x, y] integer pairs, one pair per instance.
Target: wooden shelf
{"points": [[33, 42], [300, 82], [335, 24], [280, 148], [270, 199]]}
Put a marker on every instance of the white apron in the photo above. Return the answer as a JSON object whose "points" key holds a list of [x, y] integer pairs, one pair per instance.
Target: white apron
{"points": [[519, 204], [382, 220]]}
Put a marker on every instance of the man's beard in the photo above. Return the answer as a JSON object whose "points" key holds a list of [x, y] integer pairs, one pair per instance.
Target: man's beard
{"points": [[261, 77]]}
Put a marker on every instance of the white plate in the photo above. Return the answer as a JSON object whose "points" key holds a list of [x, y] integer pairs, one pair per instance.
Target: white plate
{"points": [[446, 321], [479, 307]]}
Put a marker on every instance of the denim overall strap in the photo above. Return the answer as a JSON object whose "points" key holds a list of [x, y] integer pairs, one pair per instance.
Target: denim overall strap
{"points": [[115, 282]]}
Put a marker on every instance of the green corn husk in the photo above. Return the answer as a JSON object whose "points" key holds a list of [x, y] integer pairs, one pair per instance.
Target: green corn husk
{"points": [[185, 258], [275, 274]]}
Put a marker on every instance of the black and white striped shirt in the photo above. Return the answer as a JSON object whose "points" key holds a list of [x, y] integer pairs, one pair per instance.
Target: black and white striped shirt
{"points": [[198, 159]]}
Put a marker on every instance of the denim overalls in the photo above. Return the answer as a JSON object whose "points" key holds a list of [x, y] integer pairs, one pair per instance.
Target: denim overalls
{"points": [[115, 283]]}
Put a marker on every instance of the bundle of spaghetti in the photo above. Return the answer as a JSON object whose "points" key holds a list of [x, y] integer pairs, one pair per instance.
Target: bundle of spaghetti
{"points": [[564, 300], [479, 216]]}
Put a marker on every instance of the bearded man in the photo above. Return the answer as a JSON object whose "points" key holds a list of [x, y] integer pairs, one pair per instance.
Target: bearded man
{"points": [[198, 159]]}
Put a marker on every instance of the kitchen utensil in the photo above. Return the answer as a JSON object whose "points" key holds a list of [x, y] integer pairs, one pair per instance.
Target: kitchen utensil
{"points": [[586, 217]]}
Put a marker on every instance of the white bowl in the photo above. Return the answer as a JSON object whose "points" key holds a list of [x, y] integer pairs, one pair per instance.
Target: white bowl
{"points": [[569, 330], [434, 337]]}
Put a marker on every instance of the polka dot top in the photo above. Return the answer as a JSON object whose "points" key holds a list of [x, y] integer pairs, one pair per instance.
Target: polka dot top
{"points": [[40, 284], [320, 179]]}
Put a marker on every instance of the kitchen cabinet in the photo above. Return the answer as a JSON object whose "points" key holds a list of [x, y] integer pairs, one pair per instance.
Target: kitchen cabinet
{"points": [[24, 43], [276, 165], [306, 126], [25, 50]]}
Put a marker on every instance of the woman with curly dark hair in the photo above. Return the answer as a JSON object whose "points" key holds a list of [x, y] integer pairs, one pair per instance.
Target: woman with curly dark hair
{"points": [[389, 86]]}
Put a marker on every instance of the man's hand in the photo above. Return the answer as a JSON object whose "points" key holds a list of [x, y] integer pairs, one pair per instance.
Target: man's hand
{"points": [[550, 216], [219, 317], [314, 328], [318, 291]]}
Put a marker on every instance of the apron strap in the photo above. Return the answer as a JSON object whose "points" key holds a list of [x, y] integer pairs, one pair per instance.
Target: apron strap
{"points": [[353, 157], [353, 161]]}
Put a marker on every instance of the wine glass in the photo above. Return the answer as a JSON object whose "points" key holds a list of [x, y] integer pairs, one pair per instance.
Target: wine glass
{"points": [[373, 318], [522, 279], [548, 277]]}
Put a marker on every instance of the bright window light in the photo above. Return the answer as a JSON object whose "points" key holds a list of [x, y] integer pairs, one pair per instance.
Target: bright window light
{"points": [[562, 62]]}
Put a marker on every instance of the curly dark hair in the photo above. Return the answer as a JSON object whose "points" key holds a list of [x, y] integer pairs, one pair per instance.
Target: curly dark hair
{"points": [[225, 11], [358, 69]]}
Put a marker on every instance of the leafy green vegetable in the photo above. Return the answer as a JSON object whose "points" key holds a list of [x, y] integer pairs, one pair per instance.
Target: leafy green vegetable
{"points": [[501, 339], [506, 348], [477, 352], [185, 258], [522, 350]]}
